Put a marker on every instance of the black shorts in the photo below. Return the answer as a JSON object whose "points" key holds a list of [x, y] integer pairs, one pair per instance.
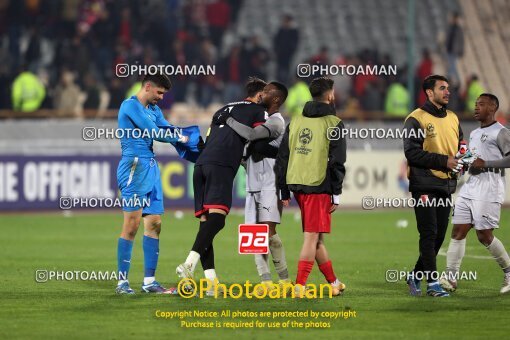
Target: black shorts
{"points": [[212, 187]]}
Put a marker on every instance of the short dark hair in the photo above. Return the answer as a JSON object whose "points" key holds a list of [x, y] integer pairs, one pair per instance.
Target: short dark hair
{"points": [[493, 98], [160, 80], [430, 82], [254, 85], [282, 90], [319, 86]]}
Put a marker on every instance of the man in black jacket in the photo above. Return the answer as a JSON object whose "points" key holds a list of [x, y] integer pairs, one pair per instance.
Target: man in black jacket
{"points": [[431, 142], [310, 163], [285, 44]]}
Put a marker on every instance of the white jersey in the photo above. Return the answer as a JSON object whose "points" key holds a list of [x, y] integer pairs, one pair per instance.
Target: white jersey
{"points": [[260, 176], [490, 143]]}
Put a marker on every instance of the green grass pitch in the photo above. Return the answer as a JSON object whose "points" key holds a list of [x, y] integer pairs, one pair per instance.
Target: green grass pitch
{"points": [[363, 245]]}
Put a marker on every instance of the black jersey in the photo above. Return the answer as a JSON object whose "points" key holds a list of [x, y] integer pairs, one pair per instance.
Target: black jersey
{"points": [[224, 146]]}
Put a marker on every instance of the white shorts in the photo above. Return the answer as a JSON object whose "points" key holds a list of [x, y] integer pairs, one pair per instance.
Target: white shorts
{"points": [[262, 206], [482, 215]]}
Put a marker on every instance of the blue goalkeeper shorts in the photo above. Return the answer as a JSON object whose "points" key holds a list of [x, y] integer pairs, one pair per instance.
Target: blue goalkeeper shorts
{"points": [[139, 182]]}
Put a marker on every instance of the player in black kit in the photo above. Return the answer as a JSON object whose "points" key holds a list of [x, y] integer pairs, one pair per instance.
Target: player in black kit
{"points": [[214, 174]]}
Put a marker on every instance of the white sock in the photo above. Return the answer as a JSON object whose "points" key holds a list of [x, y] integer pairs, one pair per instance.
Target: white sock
{"points": [[148, 280], [456, 251], [121, 282], [262, 262], [278, 254], [210, 274], [192, 259], [499, 254], [431, 283]]}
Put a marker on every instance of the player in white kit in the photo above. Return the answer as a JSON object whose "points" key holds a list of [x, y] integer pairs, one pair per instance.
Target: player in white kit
{"points": [[262, 203], [479, 201]]}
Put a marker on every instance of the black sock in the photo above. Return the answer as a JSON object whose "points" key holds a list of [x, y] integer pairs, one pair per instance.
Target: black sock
{"points": [[207, 259], [208, 230]]}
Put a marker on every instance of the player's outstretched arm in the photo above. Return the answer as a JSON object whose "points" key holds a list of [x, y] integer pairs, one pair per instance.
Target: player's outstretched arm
{"points": [[416, 156], [143, 122], [271, 128]]}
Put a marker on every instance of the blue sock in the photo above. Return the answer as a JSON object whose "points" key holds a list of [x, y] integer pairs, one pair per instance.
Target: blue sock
{"points": [[124, 249], [150, 255]]}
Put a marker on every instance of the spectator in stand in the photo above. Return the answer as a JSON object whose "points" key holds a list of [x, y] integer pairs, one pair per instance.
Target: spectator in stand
{"points": [[322, 57], [397, 100], [178, 58], [92, 92], [359, 83], [258, 57], [67, 97], [232, 75], [33, 51], [28, 92], [454, 47], [124, 29], [474, 90], [423, 71], [207, 84], [218, 18], [297, 97], [456, 102], [103, 38], [372, 99], [285, 45], [117, 92]]}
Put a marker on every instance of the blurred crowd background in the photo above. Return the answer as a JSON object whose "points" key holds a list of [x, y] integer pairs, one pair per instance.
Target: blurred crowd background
{"points": [[58, 57]]}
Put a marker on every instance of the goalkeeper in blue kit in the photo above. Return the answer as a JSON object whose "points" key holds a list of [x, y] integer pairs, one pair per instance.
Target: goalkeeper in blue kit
{"points": [[139, 179]]}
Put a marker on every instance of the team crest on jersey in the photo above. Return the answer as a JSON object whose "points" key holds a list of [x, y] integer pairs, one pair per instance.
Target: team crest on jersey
{"points": [[305, 136], [483, 138]]}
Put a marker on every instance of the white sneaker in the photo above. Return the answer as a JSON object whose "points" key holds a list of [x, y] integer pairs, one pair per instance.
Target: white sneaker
{"points": [[506, 284], [299, 291], [448, 285], [184, 271], [337, 288], [216, 291]]}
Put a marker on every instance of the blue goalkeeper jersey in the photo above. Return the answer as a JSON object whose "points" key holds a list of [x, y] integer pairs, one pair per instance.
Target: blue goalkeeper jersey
{"points": [[150, 122]]}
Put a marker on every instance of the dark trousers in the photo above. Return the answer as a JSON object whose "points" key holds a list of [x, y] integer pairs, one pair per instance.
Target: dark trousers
{"points": [[432, 222]]}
